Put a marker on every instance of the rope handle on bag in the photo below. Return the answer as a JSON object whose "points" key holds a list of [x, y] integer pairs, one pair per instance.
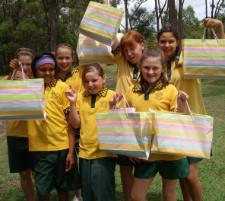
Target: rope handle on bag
{"points": [[125, 100], [14, 72]]}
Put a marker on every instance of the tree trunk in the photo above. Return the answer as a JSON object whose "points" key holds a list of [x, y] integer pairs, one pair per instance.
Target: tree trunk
{"points": [[126, 14], [53, 20], [172, 14], [157, 15], [180, 15]]}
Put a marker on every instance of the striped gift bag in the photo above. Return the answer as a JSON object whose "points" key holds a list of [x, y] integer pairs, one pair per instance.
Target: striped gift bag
{"points": [[125, 133], [204, 58], [92, 51], [101, 22], [21, 99], [179, 134]]}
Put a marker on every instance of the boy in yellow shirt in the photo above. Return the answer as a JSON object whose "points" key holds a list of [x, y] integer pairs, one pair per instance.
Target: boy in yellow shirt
{"points": [[51, 141], [97, 167]]}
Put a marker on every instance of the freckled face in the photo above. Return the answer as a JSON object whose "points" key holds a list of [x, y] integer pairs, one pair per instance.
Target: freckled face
{"points": [[151, 69], [93, 82]]}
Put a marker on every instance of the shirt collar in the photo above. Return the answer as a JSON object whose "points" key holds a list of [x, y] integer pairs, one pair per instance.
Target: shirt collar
{"points": [[101, 93]]}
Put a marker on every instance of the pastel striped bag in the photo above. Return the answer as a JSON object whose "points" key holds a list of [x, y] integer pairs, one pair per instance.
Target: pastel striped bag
{"points": [[204, 58], [125, 133], [22, 99], [179, 134], [92, 51], [101, 22]]}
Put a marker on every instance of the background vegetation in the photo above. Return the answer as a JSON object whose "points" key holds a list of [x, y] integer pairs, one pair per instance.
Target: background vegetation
{"points": [[41, 24]]}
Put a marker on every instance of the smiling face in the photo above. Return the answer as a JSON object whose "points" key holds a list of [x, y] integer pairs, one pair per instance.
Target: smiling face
{"points": [[168, 44], [47, 72], [64, 58], [151, 69], [93, 82]]}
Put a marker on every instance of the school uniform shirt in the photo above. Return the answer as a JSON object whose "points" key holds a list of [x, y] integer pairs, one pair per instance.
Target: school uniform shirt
{"points": [[16, 128], [190, 86], [160, 100], [75, 79], [51, 134], [127, 75], [88, 105]]}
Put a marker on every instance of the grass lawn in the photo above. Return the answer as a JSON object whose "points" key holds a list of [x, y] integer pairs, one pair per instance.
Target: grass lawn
{"points": [[212, 172]]}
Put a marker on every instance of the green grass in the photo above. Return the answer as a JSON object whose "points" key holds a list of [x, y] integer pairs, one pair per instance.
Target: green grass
{"points": [[212, 172]]}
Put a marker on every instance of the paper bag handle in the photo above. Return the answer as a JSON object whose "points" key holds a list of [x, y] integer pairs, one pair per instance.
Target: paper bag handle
{"points": [[14, 72]]}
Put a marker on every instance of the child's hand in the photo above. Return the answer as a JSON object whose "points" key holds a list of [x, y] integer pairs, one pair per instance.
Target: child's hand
{"points": [[69, 162], [181, 101], [20, 76], [14, 63], [71, 95], [116, 99], [211, 22]]}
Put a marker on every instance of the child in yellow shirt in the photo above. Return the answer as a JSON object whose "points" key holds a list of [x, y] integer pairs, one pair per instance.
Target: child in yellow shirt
{"points": [[127, 53], [97, 167], [18, 153], [72, 76], [51, 141], [154, 92]]}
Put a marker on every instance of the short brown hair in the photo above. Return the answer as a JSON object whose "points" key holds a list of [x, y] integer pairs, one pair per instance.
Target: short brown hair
{"points": [[91, 67]]}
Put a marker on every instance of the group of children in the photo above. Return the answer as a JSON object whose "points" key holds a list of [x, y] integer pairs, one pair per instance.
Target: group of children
{"points": [[147, 77]]}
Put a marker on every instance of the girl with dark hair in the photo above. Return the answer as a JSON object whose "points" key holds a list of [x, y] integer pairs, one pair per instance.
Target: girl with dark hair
{"points": [[170, 43], [51, 141]]}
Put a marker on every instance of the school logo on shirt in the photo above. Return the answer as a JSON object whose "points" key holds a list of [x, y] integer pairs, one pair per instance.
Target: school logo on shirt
{"points": [[159, 95], [53, 94]]}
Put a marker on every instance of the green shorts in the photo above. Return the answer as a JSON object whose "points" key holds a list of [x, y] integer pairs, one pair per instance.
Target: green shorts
{"points": [[98, 179], [167, 169], [193, 160], [18, 154], [49, 168]]}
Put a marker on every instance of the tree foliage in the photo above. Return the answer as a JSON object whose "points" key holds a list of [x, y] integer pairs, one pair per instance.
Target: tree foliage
{"points": [[41, 24]]}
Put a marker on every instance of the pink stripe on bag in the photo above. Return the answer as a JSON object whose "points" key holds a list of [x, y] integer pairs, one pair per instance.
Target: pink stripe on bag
{"points": [[198, 49], [204, 60], [102, 13], [19, 102], [189, 127], [183, 139], [105, 124], [99, 22], [22, 91]]}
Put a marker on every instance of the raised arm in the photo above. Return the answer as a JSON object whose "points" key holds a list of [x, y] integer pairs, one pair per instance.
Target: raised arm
{"points": [[74, 118], [217, 24]]}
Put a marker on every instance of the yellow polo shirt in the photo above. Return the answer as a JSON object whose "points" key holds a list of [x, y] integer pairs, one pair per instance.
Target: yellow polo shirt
{"points": [[160, 100], [75, 81], [191, 86], [16, 128], [51, 134], [89, 147], [125, 77]]}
